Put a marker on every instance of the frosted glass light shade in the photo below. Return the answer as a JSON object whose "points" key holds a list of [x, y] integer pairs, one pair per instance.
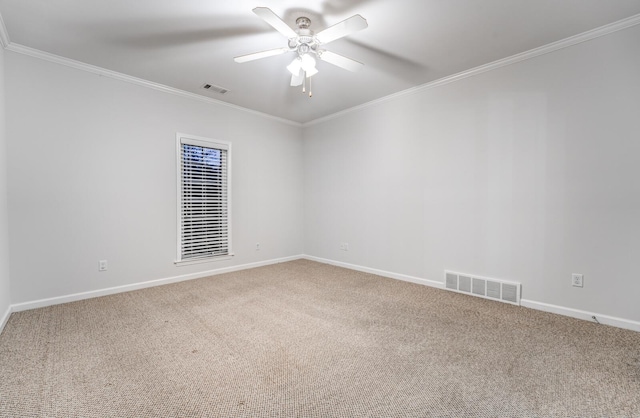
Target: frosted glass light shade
{"points": [[309, 65], [308, 62], [295, 66]]}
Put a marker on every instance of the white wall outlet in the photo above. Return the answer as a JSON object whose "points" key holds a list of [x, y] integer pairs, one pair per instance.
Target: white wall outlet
{"points": [[257, 246], [344, 246], [576, 280], [102, 265]]}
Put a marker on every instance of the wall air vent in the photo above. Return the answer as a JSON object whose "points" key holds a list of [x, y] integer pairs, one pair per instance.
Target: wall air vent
{"points": [[484, 287], [464, 283], [214, 88]]}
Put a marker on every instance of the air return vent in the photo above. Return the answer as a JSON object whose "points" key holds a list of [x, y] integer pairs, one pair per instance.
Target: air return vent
{"points": [[501, 290], [464, 283], [215, 89], [479, 286]]}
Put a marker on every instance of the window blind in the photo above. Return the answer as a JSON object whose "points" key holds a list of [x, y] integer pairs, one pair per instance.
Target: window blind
{"points": [[204, 199]]}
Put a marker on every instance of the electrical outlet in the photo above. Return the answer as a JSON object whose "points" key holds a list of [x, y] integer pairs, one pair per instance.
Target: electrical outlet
{"points": [[344, 246], [102, 265], [257, 246], [576, 280]]}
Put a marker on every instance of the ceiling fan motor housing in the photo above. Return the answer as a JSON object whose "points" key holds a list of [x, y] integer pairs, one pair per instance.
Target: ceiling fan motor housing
{"points": [[305, 42]]}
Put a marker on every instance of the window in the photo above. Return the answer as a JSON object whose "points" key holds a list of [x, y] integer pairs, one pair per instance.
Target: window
{"points": [[204, 198]]}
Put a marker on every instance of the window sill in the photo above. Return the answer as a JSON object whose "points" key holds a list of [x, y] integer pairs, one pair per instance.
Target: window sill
{"points": [[203, 260]]}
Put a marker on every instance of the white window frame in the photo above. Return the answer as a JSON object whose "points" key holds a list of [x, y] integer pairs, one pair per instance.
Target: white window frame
{"points": [[182, 138]]}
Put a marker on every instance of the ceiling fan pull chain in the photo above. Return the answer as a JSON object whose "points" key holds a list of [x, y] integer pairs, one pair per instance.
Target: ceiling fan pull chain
{"points": [[304, 81], [310, 93]]}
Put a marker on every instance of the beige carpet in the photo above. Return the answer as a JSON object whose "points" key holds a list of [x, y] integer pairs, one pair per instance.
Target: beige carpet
{"points": [[303, 339]]}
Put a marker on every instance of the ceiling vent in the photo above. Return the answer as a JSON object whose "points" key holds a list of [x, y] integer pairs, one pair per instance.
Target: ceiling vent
{"points": [[494, 289], [214, 88]]}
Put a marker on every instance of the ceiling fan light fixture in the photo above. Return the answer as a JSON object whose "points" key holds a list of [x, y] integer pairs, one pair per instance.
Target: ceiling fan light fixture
{"points": [[295, 66], [308, 63]]}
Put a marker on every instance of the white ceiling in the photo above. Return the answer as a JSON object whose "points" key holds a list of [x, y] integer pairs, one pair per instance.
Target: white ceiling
{"points": [[184, 44]]}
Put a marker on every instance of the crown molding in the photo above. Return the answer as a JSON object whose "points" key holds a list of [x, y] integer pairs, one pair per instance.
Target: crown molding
{"points": [[545, 49], [564, 43], [25, 50], [4, 35]]}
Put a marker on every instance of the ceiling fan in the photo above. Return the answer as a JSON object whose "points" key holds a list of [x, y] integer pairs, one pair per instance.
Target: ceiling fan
{"points": [[307, 45]]}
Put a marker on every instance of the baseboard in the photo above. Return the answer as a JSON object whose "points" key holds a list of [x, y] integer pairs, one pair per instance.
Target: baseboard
{"points": [[135, 286], [579, 314], [5, 318], [398, 276], [540, 306]]}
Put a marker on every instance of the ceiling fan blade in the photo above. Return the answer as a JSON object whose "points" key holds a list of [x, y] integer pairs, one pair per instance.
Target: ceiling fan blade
{"points": [[340, 60], [344, 28], [296, 80], [262, 54], [278, 24]]}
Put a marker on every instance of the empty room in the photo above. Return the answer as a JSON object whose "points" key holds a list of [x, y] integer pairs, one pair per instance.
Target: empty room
{"points": [[325, 208]]}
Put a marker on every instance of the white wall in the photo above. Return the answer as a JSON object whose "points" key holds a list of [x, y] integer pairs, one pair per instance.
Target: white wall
{"points": [[5, 290], [525, 173], [529, 173], [92, 175]]}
